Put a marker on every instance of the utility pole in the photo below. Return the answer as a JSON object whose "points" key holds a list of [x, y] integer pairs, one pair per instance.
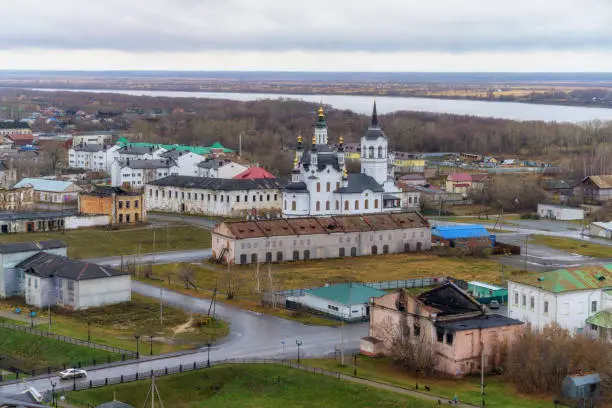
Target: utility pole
{"points": [[342, 340], [161, 307], [153, 255], [482, 361], [525, 258], [240, 145]]}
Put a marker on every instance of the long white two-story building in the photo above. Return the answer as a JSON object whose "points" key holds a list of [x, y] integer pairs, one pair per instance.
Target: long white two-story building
{"points": [[574, 298], [213, 196]]}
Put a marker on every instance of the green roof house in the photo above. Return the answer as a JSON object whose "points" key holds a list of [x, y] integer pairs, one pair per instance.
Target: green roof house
{"points": [[344, 301], [579, 299]]}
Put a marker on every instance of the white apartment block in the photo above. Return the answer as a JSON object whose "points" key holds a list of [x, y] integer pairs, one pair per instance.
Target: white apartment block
{"points": [[219, 168], [93, 157], [137, 173]]}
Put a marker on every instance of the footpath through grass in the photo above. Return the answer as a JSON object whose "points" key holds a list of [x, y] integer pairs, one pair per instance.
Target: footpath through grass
{"points": [[251, 386], [101, 242], [574, 246], [31, 352], [116, 325], [498, 393]]}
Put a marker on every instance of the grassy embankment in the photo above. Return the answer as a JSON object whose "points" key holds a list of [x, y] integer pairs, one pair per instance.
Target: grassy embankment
{"points": [[28, 351], [252, 386], [116, 325], [573, 245], [314, 273], [100, 242], [498, 392]]}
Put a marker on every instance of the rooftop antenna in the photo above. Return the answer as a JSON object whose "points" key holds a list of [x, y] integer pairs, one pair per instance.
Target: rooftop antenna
{"points": [[154, 394]]}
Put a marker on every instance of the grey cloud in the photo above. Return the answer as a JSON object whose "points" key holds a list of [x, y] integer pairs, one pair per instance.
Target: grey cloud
{"points": [[276, 25]]}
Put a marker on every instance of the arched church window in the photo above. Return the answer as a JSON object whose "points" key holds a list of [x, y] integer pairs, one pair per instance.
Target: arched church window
{"points": [[356, 204], [366, 204], [376, 203], [328, 186], [371, 152], [293, 206], [380, 152], [346, 205], [337, 205], [318, 187], [318, 206], [327, 205]]}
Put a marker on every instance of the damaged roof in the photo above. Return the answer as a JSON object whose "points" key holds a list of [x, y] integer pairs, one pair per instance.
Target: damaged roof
{"points": [[15, 247], [485, 321], [321, 225]]}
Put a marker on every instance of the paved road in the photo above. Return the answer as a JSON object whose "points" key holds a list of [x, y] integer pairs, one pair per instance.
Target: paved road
{"points": [[158, 258], [541, 257], [252, 336]]}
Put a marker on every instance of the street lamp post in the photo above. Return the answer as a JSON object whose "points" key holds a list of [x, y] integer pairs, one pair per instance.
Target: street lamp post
{"points": [[53, 400], [298, 342], [209, 344], [283, 343], [31, 319], [88, 331], [151, 341], [137, 337], [355, 364]]}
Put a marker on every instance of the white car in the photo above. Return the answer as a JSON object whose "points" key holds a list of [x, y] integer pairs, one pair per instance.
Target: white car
{"points": [[72, 373]]}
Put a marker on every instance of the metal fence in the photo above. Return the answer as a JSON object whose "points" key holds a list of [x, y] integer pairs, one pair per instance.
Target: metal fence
{"points": [[79, 385], [404, 283], [83, 385], [68, 339]]}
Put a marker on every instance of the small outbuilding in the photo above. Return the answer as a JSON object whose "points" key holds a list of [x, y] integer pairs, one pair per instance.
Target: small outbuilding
{"points": [[581, 386], [345, 301], [601, 229], [485, 292], [464, 236], [115, 404], [560, 212]]}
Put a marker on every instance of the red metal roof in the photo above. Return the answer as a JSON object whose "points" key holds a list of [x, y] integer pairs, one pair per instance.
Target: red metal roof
{"points": [[21, 136], [459, 177], [254, 173]]}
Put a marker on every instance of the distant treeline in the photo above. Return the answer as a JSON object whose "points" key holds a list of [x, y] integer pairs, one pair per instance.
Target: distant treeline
{"points": [[270, 128]]}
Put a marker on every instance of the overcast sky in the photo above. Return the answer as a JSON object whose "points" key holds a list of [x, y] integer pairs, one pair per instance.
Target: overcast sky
{"points": [[316, 35]]}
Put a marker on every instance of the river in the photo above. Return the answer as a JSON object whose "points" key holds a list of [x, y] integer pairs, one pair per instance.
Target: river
{"points": [[388, 104]]}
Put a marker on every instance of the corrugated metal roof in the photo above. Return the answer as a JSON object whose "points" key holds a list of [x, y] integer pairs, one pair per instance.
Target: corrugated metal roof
{"points": [[45, 185], [459, 231], [565, 280], [601, 319], [604, 225], [603, 181], [580, 380], [347, 293]]}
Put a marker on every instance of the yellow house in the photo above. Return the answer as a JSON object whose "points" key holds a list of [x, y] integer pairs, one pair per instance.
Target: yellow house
{"points": [[458, 183]]}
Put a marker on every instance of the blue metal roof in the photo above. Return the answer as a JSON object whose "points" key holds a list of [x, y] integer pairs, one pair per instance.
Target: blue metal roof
{"points": [[459, 231]]}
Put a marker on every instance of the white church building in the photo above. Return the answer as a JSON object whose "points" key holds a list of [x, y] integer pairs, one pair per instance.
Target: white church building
{"points": [[320, 184]]}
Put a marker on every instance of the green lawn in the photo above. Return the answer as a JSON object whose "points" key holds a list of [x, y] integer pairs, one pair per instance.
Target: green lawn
{"points": [[116, 325], [251, 386], [499, 394], [101, 242], [28, 351], [574, 246]]}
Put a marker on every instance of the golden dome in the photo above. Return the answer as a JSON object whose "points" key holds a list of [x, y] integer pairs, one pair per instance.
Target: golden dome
{"points": [[314, 140], [299, 138], [295, 160], [321, 113], [341, 140]]}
